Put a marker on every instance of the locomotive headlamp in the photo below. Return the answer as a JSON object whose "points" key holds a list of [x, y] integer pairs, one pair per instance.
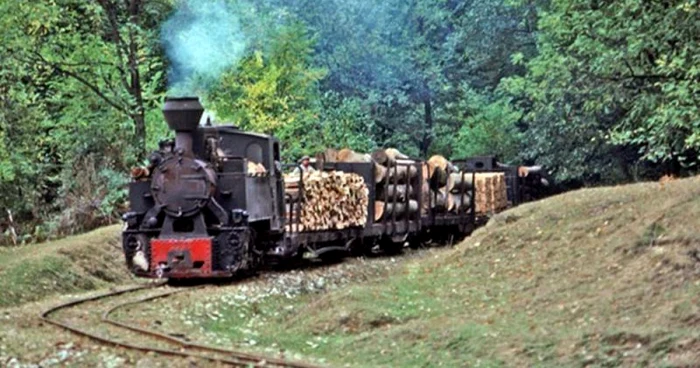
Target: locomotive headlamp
{"points": [[130, 218], [152, 222]]}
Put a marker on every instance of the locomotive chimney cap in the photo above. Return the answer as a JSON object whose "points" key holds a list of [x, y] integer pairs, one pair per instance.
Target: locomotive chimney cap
{"points": [[183, 113]]}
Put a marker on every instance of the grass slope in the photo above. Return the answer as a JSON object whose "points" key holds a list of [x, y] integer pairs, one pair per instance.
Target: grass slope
{"points": [[76, 263], [597, 277]]}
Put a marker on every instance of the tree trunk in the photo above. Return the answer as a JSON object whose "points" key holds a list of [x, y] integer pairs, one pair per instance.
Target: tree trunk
{"points": [[428, 128], [139, 121], [138, 117]]}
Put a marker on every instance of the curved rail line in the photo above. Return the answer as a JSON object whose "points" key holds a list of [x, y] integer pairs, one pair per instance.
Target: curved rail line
{"points": [[232, 357]]}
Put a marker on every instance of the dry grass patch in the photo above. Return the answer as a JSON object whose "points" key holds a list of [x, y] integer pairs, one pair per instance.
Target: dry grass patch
{"points": [[597, 277]]}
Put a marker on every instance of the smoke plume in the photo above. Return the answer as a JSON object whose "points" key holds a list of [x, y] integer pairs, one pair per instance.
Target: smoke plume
{"points": [[202, 39]]}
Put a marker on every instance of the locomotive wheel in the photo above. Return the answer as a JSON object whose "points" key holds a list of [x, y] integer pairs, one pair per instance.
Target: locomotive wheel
{"points": [[286, 264]]}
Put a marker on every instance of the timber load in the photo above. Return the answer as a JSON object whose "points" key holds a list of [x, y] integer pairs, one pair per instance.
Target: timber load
{"points": [[449, 189], [491, 192], [330, 200], [336, 200], [397, 192]]}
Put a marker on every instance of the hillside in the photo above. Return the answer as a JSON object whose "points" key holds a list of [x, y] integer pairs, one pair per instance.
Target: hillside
{"points": [[596, 277], [77, 263]]}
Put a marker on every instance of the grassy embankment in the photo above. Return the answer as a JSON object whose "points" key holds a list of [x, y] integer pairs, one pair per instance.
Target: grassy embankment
{"points": [[76, 263], [597, 277]]}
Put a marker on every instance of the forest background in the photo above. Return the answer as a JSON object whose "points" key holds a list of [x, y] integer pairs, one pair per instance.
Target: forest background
{"points": [[599, 92]]}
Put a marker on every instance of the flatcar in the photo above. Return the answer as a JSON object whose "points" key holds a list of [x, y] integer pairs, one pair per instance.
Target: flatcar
{"points": [[196, 211]]}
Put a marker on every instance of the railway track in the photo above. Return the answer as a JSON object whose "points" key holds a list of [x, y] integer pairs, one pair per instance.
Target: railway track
{"points": [[104, 329]]}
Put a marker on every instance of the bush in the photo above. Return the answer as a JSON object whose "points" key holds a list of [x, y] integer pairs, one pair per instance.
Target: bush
{"points": [[92, 194], [92, 197]]}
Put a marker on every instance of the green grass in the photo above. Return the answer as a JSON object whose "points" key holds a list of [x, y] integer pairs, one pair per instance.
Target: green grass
{"points": [[599, 277], [77, 263]]}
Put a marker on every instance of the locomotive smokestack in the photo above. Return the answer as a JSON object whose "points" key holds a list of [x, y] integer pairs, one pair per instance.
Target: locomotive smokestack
{"points": [[182, 115]]}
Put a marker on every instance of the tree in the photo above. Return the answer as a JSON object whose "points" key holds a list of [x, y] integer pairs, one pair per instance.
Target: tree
{"points": [[615, 84], [79, 82], [274, 90], [408, 60], [490, 127], [108, 47]]}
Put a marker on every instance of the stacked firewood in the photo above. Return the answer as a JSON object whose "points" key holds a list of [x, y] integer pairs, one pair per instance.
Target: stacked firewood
{"points": [[396, 189], [491, 192], [330, 200]]}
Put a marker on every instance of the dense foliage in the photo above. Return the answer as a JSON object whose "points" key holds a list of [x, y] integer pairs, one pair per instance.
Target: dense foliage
{"points": [[615, 85], [598, 91]]}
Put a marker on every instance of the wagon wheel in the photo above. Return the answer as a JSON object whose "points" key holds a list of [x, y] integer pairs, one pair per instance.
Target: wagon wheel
{"points": [[394, 244], [332, 257]]}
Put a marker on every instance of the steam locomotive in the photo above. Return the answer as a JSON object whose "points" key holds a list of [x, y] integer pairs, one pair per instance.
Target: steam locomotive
{"points": [[197, 212]]}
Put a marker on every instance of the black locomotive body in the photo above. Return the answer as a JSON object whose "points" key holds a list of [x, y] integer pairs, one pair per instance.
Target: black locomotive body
{"points": [[198, 210], [198, 213]]}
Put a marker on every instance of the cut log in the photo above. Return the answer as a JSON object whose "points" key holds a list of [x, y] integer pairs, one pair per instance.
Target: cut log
{"points": [[405, 162], [379, 156], [395, 154], [400, 210], [388, 157], [396, 192], [457, 183], [348, 155], [458, 202], [438, 178], [438, 200], [491, 192], [439, 162], [378, 210], [425, 188], [524, 171], [399, 174], [329, 155], [380, 173]]}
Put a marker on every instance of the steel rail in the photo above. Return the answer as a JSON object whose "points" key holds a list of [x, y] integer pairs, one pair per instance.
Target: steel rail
{"points": [[238, 359], [249, 357]]}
